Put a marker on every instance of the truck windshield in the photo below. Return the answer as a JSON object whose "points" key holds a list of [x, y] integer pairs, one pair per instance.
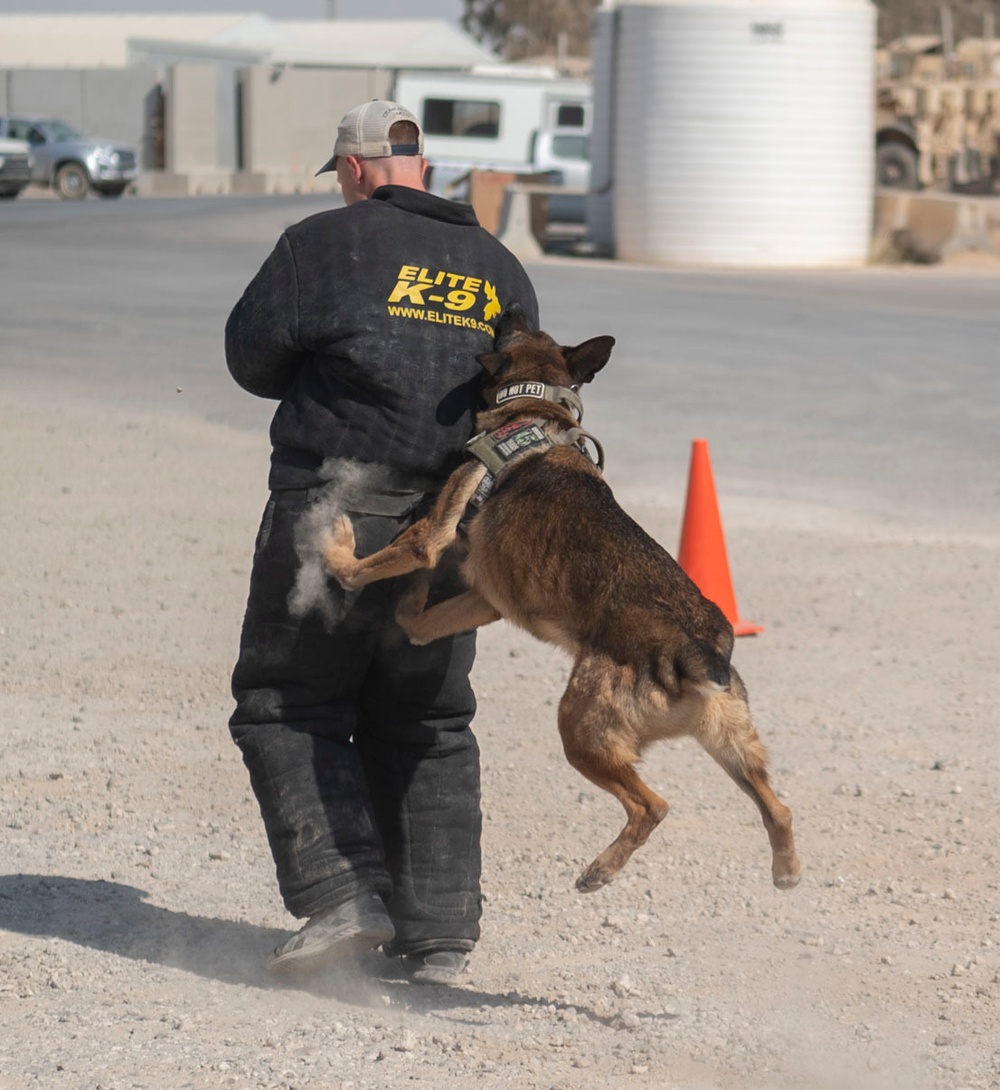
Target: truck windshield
{"points": [[571, 147], [57, 131]]}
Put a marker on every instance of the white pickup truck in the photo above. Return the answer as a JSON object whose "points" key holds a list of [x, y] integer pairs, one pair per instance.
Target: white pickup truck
{"points": [[564, 154]]}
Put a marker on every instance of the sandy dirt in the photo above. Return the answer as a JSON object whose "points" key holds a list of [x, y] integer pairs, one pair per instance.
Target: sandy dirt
{"points": [[137, 900], [137, 894]]}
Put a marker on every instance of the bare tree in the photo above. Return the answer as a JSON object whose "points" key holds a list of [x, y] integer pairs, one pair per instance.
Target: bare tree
{"points": [[527, 28], [899, 17]]}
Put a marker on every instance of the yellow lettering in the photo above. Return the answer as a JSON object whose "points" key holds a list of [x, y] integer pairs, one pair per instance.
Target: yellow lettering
{"points": [[412, 292], [425, 277], [460, 300], [472, 283], [408, 272]]}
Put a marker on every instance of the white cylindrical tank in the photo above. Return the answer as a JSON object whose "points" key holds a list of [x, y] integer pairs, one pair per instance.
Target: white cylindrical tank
{"points": [[742, 131], [603, 42]]}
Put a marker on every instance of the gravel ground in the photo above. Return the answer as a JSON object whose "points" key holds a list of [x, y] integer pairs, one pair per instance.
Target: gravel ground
{"points": [[137, 900], [137, 895]]}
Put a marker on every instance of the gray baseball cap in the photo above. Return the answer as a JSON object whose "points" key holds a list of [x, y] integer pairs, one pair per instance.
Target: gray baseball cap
{"points": [[364, 132]]}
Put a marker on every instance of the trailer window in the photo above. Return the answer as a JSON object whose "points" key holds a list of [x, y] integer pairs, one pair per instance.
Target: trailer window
{"points": [[569, 117], [461, 117]]}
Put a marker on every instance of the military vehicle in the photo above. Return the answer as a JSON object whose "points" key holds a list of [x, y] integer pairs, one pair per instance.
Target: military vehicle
{"points": [[938, 114]]}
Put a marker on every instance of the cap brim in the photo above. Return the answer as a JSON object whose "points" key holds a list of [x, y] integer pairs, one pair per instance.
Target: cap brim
{"points": [[330, 165]]}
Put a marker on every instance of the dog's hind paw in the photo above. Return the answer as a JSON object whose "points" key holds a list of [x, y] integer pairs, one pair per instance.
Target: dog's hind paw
{"points": [[785, 870], [592, 879], [786, 880]]}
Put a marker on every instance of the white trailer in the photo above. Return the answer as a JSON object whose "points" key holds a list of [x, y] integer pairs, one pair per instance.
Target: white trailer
{"points": [[490, 119]]}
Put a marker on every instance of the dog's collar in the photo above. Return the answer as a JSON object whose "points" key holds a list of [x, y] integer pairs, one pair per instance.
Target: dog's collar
{"points": [[561, 395]]}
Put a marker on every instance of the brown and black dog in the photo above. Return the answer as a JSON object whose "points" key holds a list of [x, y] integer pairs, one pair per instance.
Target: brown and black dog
{"points": [[550, 549]]}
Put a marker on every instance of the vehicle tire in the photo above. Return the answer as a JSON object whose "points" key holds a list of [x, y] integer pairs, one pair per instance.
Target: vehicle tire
{"points": [[114, 190], [7, 194], [72, 182], [897, 167]]}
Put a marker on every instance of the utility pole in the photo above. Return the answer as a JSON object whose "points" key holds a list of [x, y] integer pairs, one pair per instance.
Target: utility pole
{"points": [[331, 9], [989, 34], [947, 33]]}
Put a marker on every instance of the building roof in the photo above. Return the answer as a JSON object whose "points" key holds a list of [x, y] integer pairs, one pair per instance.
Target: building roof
{"points": [[916, 44], [117, 41], [386, 43], [94, 41]]}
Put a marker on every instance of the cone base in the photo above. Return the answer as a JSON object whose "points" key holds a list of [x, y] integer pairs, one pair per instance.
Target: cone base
{"points": [[747, 628]]}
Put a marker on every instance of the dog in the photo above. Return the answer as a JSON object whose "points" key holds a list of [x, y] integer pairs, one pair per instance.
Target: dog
{"points": [[548, 548]]}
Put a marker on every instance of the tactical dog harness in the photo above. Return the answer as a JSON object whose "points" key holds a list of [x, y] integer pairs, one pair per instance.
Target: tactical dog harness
{"points": [[507, 444]]}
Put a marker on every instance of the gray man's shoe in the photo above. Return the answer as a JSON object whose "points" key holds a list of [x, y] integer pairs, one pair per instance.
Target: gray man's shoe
{"points": [[329, 937], [441, 967]]}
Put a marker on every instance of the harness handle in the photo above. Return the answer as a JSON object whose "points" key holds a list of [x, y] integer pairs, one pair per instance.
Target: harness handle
{"points": [[575, 435]]}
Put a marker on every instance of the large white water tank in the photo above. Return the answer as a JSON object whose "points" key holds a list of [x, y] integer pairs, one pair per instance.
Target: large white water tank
{"points": [[741, 131]]}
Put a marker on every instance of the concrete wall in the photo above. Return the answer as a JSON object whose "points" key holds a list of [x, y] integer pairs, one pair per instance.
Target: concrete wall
{"points": [[289, 121], [929, 227], [192, 129], [107, 102], [205, 128]]}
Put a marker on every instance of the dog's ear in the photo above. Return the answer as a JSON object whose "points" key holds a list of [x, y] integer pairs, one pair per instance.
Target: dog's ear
{"points": [[494, 363], [512, 320], [586, 359]]}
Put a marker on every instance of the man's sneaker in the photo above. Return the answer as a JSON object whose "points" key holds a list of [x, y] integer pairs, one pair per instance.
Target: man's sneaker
{"points": [[441, 967], [358, 925]]}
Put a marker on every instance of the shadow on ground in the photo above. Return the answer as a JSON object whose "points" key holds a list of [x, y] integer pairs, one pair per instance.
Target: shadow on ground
{"points": [[116, 918]]}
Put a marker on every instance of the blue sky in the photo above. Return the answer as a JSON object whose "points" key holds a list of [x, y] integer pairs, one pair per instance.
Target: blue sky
{"points": [[277, 9]]}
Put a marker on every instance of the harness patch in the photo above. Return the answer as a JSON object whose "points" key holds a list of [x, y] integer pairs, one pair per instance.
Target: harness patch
{"points": [[496, 448], [511, 439], [482, 493]]}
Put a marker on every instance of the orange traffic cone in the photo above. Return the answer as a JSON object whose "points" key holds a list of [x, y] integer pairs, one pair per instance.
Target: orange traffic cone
{"points": [[702, 552]]}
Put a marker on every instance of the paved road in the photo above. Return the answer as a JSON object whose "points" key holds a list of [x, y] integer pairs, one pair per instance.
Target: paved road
{"points": [[875, 390]]}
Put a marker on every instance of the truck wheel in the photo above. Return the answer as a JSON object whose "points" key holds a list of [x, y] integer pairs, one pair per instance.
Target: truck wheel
{"points": [[115, 190], [72, 182], [896, 167]]}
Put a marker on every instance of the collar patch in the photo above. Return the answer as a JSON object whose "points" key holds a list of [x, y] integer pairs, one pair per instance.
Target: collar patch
{"points": [[561, 395], [520, 389]]}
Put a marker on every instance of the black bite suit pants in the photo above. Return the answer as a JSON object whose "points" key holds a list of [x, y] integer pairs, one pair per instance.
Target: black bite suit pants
{"points": [[358, 744]]}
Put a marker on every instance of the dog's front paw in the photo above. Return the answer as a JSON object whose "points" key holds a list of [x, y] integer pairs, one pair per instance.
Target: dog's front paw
{"points": [[410, 609], [411, 603], [338, 552]]}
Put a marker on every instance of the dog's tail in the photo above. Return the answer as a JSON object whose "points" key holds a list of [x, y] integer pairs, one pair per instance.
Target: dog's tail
{"points": [[698, 663]]}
